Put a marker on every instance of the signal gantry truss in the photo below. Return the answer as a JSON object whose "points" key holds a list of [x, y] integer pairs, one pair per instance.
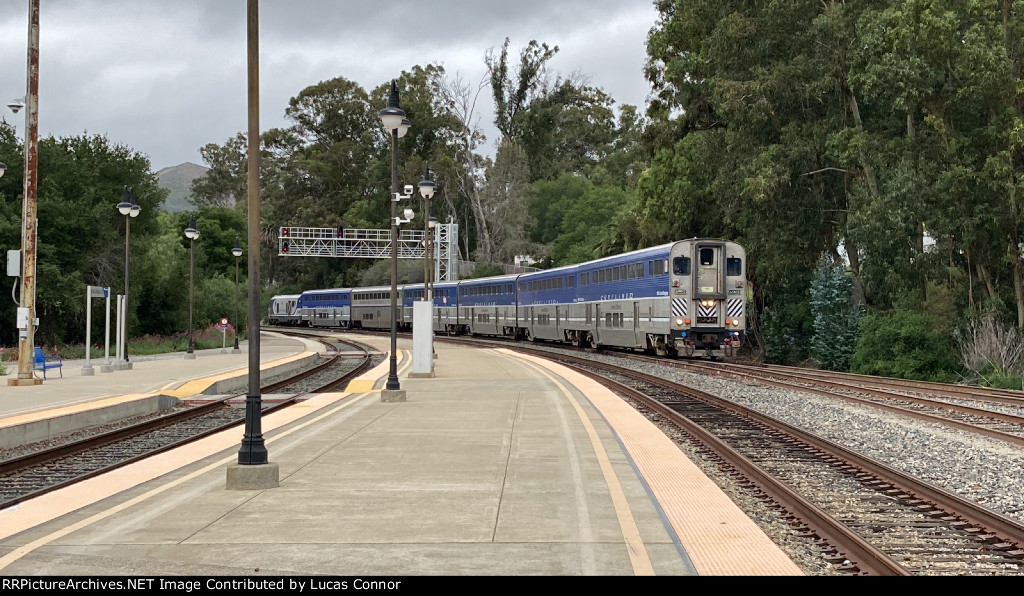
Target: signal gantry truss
{"points": [[372, 244]]}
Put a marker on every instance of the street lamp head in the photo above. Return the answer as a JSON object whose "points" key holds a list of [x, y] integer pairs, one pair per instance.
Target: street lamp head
{"points": [[16, 104], [3, 168], [392, 115], [127, 200], [135, 210], [404, 127], [191, 232], [426, 186], [237, 250], [432, 222]]}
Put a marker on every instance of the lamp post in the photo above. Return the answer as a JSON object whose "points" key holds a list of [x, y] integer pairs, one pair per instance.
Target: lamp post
{"points": [[128, 209], [395, 121], [191, 233], [237, 252], [427, 192]]}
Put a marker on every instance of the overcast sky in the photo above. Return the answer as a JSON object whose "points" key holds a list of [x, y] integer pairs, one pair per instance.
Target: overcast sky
{"points": [[165, 77]]}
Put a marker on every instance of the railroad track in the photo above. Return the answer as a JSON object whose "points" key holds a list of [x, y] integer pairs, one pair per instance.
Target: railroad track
{"points": [[67, 463], [992, 413]]}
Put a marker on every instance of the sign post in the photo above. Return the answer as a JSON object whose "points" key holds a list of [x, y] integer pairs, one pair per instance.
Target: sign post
{"points": [[107, 366], [224, 335], [90, 293]]}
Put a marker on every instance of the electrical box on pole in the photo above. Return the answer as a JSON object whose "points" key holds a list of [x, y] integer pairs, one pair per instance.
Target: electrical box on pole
{"points": [[14, 263]]}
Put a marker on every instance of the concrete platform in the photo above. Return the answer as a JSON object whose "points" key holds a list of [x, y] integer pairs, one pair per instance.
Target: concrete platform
{"points": [[499, 465]]}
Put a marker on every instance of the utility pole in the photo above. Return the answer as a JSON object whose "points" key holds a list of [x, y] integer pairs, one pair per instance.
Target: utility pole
{"points": [[29, 211]]}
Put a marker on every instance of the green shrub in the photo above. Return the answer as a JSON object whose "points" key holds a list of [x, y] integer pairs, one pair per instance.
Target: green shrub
{"points": [[904, 344]]}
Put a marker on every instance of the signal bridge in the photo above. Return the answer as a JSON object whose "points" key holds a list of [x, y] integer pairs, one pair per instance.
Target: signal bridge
{"points": [[373, 244]]}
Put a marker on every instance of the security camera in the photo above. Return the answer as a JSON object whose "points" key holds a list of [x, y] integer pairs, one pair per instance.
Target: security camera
{"points": [[409, 214], [408, 189], [16, 105]]}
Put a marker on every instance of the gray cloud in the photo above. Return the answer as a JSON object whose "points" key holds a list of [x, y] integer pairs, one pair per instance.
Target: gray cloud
{"points": [[166, 78]]}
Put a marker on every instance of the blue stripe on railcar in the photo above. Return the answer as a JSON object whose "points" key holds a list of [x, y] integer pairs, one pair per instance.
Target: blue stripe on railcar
{"points": [[488, 291], [334, 298], [639, 274], [411, 293], [552, 286], [446, 294]]}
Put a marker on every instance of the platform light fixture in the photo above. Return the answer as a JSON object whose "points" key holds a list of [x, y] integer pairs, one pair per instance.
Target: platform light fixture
{"points": [[129, 210], [236, 252], [192, 233], [398, 125]]}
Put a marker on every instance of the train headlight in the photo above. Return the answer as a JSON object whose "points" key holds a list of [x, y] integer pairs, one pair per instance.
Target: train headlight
{"points": [[707, 303], [735, 322], [679, 322]]}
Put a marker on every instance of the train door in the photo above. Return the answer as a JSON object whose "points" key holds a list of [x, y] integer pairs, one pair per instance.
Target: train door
{"points": [[638, 333], [709, 293]]}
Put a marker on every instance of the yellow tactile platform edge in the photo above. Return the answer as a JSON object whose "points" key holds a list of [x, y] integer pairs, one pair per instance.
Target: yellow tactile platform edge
{"points": [[719, 538]]}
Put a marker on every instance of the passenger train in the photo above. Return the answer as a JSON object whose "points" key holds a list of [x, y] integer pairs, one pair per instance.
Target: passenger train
{"points": [[679, 298]]}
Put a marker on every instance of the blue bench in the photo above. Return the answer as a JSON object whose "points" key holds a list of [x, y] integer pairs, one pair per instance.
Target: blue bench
{"points": [[45, 363]]}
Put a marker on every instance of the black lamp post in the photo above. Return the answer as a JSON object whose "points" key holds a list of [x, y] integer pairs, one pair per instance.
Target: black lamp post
{"points": [[237, 252], [427, 192], [395, 121], [128, 209], [191, 233]]}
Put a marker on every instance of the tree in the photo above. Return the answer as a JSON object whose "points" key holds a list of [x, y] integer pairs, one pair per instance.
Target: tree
{"points": [[836, 317], [501, 210], [513, 92], [80, 237]]}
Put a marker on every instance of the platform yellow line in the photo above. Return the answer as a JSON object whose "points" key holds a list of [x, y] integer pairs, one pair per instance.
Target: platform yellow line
{"points": [[638, 556]]}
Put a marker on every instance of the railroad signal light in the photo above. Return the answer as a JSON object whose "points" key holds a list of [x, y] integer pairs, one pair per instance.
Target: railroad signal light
{"points": [[284, 231], [284, 246]]}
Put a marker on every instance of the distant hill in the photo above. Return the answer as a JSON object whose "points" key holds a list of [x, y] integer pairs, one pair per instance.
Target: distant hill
{"points": [[178, 179]]}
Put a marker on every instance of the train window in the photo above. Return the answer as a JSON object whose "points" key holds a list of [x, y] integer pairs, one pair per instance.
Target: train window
{"points": [[707, 256], [681, 265], [733, 266]]}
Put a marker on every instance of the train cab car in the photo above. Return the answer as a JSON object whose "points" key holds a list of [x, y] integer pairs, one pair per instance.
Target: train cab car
{"points": [[282, 310], [546, 299], [446, 307], [487, 306], [325, 308], [371, 308], [708, 289]]}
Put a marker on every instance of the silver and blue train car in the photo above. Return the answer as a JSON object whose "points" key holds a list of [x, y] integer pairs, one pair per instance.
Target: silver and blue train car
{"points": [[371, 308], [623, 301], [487, 306], [325, 308], [282, 310], [545, 299]]}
